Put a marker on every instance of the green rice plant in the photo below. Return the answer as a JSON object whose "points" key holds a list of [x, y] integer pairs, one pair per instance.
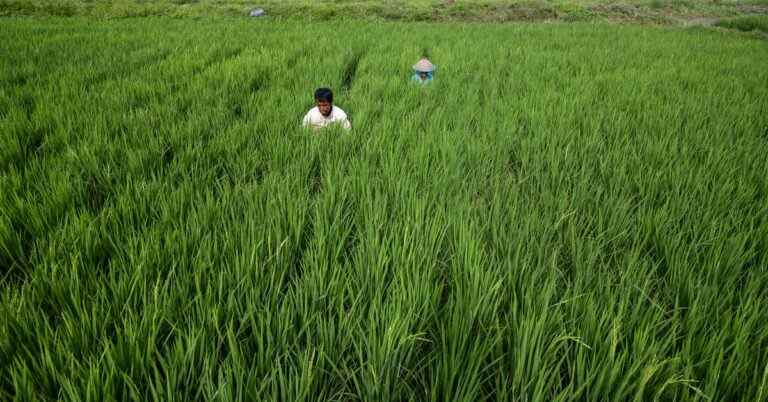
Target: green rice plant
{"points": [[568, 212]]}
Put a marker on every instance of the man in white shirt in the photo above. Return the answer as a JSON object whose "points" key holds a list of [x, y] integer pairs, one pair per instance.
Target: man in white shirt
{"points": [[324, 113]]}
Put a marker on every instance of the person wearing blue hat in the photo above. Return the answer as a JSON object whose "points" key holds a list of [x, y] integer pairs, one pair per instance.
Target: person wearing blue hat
{"points": [[423, 71]]}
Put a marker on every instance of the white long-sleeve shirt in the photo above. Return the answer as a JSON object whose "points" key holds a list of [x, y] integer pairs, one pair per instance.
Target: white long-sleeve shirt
{"points": [[316, 120]]}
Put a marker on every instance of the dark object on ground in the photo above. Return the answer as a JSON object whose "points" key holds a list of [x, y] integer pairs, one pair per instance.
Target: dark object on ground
{"points": [[258, 12]]}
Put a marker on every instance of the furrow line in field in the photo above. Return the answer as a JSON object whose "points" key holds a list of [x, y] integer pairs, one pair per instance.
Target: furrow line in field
{"points": [[350, 71], [220, 58], [134, 69]]}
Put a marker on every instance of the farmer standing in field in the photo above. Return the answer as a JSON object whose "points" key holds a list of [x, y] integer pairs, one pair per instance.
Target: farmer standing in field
{"points": [[325, 113], [423, 71]]}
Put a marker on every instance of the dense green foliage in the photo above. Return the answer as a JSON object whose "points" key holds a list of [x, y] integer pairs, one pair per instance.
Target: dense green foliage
{"points": [[747, 23], [569, 212]]}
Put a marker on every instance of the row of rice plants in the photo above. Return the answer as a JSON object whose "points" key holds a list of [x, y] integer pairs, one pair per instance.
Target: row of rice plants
{"points": [[568, 212]]}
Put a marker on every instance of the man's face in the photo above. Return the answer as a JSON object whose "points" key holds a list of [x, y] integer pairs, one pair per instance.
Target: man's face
{"points": [[423, 75], [324, 107]]}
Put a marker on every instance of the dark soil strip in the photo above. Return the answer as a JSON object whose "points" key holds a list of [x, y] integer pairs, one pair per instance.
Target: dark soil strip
{"points": [[350, 71]]}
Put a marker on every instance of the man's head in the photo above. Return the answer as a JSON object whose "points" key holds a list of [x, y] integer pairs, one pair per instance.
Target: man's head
{"points": [[324, 101], [423, 75]]}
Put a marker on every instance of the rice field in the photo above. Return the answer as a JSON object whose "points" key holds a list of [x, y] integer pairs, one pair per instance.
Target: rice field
{"points": [[569, 212]]}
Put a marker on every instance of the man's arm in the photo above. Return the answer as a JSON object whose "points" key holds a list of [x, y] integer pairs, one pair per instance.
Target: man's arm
{"points": [[343, 120]]}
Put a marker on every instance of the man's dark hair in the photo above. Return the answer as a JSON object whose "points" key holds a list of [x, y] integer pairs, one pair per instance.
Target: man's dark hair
{"points": [[324, 94]]}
